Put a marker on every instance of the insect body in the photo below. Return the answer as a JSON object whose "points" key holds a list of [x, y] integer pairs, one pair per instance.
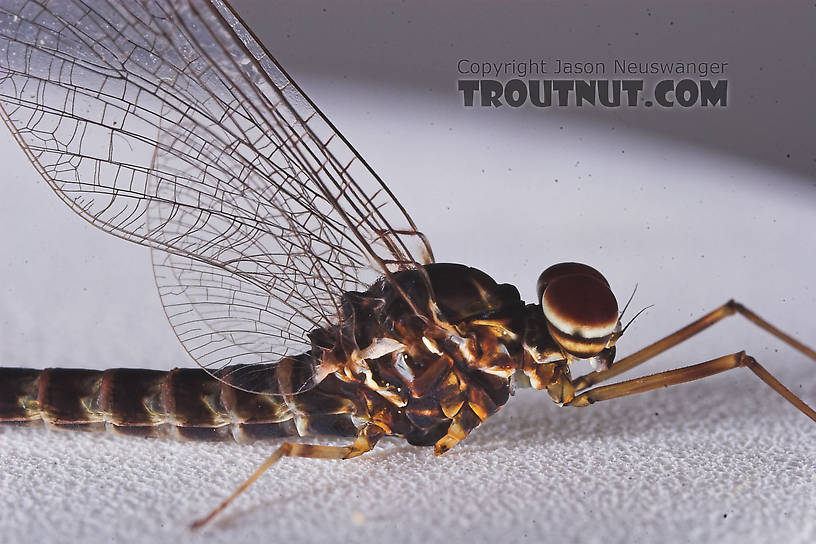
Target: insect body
{"points": [[431, 382], [286, 267]]}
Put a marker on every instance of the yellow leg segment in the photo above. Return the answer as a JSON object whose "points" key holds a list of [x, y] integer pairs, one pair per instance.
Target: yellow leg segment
{"points": [[365, 441]]}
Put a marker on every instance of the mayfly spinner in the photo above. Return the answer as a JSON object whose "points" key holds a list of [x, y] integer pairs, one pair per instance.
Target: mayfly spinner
{"points": [[287, 269]]}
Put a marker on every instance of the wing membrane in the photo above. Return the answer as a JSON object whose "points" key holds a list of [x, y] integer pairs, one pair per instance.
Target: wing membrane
{"points": [[166, 123]]}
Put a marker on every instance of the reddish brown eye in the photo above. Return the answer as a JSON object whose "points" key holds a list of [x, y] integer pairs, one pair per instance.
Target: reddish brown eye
{"points": [[566, 269], [581, 310]]}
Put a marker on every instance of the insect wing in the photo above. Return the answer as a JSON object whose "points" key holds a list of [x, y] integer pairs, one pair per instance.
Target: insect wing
{"points": [[167, 124]]}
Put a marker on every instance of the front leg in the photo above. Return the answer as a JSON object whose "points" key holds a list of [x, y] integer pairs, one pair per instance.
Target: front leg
{"points": [[649, 352], [688, 374], [587, 394]]}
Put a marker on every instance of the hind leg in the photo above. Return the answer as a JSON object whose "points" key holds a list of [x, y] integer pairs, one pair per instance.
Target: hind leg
{"points": [[366, 440]]}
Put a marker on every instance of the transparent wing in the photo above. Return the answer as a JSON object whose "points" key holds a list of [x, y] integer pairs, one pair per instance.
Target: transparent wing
{"points": [[166, 123]]}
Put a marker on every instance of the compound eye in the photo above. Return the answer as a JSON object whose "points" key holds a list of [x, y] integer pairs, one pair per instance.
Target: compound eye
{"points": [[581, 310], [566, 269]]}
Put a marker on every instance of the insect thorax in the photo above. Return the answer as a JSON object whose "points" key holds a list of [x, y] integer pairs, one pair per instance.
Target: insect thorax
{"points": [[432, 380]]}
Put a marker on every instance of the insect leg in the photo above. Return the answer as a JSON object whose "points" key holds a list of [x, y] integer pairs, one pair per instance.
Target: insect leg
{"points": [[687, 374], [366, 440], [729, 308]]}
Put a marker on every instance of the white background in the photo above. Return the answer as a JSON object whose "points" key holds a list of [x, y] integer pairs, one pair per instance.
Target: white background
{"points": [[695, 207]]}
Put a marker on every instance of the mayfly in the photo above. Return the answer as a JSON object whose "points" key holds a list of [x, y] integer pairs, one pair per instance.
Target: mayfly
{"points": [[288, 270]]}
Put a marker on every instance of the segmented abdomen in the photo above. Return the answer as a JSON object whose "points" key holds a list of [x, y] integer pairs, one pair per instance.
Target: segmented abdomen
{"points": [[185, 403]]}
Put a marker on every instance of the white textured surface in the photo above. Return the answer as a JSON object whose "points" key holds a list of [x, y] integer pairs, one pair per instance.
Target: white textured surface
{"points": [[670, 470], [717, 461]]}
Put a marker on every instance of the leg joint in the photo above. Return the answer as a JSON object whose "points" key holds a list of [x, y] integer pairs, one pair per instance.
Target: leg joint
{"points": [[746, 360]]}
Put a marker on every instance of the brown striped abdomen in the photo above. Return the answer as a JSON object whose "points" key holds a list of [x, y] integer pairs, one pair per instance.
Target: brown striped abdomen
{"points": [[185, 403]]}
